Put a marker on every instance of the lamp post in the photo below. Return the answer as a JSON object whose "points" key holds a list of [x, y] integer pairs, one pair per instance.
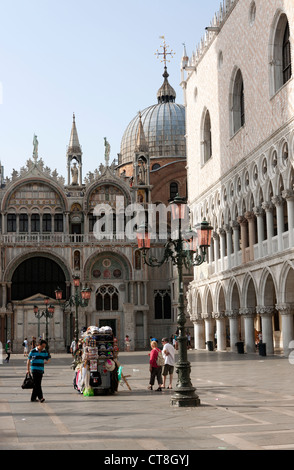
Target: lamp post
{"points": [[80, 298], [47, 313], [188, 249]]}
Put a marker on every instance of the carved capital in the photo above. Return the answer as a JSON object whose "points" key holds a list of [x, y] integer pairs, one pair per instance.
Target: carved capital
{"points": [[242, 220], [234, 313], [215, 235], [235, 225], [249, 215], [228, 228], [267, 206], [288, 194], [265, 310], [221, 232], [248, 312], [277, 200], [218, 315], [196, 319], [285, 308], [258, 211]]}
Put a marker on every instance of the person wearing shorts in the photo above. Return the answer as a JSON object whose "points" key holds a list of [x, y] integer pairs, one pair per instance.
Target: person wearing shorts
{"points": [[168, 353]]}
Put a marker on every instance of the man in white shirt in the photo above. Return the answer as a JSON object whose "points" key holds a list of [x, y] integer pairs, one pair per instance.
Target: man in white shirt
{"points": [[168, 353]]}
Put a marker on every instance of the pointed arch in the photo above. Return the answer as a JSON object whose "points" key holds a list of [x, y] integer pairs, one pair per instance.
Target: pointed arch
{"points": [[279, 52], [206, 137], [249, 291], [267, 287], [236, 101]]}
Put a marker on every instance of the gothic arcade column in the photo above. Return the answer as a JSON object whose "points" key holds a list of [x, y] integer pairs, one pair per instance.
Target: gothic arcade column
{"points": [[236, 228], [216, 250], [209, 328], [266, 313], [233, 316], [228, 230], [251, 229], [199, 332], [258, 212], [220, 331], [244, 240], [278, 201], [288, 194], [268, 207], [286, 311], [248, 314], [222, 235]]}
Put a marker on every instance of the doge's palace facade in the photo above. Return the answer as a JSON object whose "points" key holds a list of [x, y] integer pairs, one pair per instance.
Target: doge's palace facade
{"points": [[239, 96]]}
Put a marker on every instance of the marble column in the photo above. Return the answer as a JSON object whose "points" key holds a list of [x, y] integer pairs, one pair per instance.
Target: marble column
{"points": [[251, 232], [222, 235], [286, 311], [234, 316], [199, 332], [249, 315], [236, 228], [216, 250], [228, 230], [243, 224], [268, 207], [278, 201], [266, 314], [258, 212], [209, 328], [288, 194], [220, 331]]}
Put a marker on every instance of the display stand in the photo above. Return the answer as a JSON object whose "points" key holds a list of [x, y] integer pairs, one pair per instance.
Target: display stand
{"points": [[96, 362]]}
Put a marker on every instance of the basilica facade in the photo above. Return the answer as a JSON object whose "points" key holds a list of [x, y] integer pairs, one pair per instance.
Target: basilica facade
{"points": [[239, 94], [48, 235]]}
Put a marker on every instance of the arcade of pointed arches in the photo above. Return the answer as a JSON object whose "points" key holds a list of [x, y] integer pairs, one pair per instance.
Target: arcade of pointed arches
{"points": [[265, 302]]}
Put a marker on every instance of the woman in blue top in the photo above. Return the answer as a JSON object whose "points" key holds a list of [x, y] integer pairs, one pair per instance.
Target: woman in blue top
{"points": [[35, 364]]}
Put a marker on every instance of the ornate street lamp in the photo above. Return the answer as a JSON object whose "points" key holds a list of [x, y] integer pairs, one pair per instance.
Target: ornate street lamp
{"points": [[47, 313], [188, 249], [80, 298]]}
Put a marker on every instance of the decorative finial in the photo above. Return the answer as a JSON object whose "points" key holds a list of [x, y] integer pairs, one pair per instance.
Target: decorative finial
{"points": [[164, 53], [35, 151]]}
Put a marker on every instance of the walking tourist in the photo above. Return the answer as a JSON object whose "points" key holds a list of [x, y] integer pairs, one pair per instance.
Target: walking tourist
{"points": [[155, 370], [35, 365], [73, 347], [25, 347], [127, 343], [8, 350], [168, 353]]}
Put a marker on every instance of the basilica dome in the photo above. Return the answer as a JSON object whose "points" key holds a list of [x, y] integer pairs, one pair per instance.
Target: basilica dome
{"points": [[163, 125]]}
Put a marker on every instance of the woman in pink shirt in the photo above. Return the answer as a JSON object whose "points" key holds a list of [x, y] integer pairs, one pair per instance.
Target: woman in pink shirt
{"points": [[155, 371]]}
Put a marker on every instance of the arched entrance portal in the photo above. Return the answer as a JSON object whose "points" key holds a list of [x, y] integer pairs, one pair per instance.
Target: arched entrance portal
{"points": [[32, 279], [37, 275]]}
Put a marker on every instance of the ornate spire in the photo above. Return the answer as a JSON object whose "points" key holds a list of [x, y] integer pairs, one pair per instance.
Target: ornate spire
{"points": [[74, 144], [166, 93], [141, 144]]}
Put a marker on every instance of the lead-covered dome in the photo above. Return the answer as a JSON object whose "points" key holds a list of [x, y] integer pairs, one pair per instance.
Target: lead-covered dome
{"points": [[163, 125]]}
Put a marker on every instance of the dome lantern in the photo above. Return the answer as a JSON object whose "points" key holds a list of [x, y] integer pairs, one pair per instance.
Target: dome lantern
{"points": [[166, 93]]}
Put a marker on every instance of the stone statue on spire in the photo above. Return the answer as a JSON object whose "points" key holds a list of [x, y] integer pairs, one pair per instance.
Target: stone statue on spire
{"points": [[36, 146], [107, 151]]}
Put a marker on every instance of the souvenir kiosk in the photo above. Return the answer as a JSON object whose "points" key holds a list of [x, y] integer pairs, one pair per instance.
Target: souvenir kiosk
{"points": [[96, 362]]}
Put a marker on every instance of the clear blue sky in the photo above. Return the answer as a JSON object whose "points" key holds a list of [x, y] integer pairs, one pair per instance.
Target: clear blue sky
{"points": [[90, 57]]}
